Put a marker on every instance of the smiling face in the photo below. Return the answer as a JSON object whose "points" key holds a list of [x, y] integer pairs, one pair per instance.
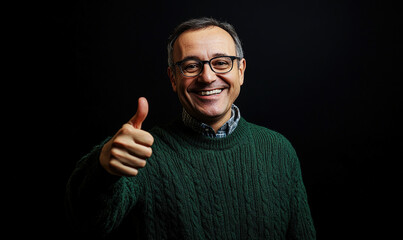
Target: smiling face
{"points": [[209, 96]]}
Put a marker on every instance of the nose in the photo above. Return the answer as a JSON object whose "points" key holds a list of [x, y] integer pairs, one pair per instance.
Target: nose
{"points": [[207, 75]]}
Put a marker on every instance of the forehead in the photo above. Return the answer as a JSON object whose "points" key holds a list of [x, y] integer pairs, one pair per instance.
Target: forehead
{"points": [[203, 43]]}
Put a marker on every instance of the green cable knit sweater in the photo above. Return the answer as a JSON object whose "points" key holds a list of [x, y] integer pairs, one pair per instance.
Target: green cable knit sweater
{"points": [[245, 186]]}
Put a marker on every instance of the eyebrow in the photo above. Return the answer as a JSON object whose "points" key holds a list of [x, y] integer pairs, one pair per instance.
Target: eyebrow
{"points": [[197, 58]]}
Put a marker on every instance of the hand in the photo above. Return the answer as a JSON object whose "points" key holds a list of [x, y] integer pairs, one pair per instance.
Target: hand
{"points": [[128, 150]]}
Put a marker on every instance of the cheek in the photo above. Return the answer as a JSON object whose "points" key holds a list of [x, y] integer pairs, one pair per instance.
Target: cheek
{"points": [[234, 82], [182, 86], [235, 92]]}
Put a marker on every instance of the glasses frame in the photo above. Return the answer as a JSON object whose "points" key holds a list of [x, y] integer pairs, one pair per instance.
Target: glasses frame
{"points": [[209, 63]]}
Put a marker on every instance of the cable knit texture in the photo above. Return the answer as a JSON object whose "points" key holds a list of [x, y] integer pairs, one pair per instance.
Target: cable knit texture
{"points": [[245, 186]]}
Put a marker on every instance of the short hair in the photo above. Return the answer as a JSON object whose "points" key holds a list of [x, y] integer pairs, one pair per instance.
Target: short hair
{"points": [[200, 23]]}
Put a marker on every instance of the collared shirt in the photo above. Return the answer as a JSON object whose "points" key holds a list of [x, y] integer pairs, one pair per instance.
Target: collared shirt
{"points": [[208, 131]]}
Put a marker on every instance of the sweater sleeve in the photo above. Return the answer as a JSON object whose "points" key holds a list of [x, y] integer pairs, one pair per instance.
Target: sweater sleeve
{"points": [[97, 201], [301, 224]]}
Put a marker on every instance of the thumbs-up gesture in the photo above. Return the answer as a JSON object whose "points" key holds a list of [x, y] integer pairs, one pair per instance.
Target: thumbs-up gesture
{"points": [[128, 150]]}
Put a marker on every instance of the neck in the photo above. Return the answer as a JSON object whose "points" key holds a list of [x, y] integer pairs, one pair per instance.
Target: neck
{"points": [[195, 139], [215, 124]]}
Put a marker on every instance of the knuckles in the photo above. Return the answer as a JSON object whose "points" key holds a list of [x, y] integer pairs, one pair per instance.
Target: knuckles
{"points": [[142, 164], [138, 135], [149, 152], [116, 153], [149, 140], [127, 129], [114, 164], [120, 142]]}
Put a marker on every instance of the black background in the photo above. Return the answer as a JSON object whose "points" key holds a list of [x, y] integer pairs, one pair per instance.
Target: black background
{"points": [[325, 74]]}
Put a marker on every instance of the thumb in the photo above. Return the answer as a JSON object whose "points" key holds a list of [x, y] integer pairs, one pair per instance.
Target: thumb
{"points": [[141, 114]]}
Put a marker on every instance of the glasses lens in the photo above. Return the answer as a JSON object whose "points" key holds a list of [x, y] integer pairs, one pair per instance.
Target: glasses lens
{"points": [[221, 64], [191, 67]]}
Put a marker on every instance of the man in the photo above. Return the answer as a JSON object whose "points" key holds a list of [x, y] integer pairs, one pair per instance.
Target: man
{"points": [[209, 175]]}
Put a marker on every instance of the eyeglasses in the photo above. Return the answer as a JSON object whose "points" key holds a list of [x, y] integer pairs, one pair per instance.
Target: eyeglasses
{"points": [[193, 67]]}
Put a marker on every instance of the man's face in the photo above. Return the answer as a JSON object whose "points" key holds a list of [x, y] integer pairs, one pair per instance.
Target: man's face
{"points": [[203, 45]]}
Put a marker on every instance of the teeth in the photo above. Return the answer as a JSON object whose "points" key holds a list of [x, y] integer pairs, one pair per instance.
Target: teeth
{"points": [[206, 93]]}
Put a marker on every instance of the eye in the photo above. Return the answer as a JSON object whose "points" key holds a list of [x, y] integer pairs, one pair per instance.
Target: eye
{"points": [[221, 63], [190, 67]]}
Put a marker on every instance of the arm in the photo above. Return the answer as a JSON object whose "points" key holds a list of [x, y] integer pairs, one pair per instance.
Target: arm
{"points": [[103, 187], [301, 224], [97, 201]]}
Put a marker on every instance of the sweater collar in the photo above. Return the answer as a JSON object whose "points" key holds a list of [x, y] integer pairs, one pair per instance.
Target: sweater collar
{"points": [[207, 130], [186, 136]]}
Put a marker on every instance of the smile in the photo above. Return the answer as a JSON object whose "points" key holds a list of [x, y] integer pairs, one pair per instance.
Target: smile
{"points": [[211, 92]]}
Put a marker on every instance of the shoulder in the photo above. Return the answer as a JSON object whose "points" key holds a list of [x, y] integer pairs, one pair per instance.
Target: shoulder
{"points": [[166, 130], [167, 135], [266, 137], [266, 134]]}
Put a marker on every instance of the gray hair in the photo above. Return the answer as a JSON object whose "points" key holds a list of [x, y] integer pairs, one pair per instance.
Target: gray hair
{"points": [[200, 23]]}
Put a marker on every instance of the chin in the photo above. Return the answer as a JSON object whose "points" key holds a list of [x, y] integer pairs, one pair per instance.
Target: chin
{"points": [[211, 114], [206, 111]]}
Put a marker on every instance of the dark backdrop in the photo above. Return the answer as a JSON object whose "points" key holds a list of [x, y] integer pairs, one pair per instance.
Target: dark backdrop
{"points": [[323, 73]]}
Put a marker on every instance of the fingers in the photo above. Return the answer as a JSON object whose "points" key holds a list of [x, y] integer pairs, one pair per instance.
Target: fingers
{"points": [[118, 168], [127, 159], [138, 136], [128, 150], [135, 142]]}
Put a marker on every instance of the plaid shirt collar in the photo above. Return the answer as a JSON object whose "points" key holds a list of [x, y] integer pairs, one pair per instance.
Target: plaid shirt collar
{"points": [[208, 131]]}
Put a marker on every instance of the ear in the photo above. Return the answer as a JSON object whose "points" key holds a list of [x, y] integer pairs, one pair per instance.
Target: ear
{"points": [[241, 69], [171, 75]]}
